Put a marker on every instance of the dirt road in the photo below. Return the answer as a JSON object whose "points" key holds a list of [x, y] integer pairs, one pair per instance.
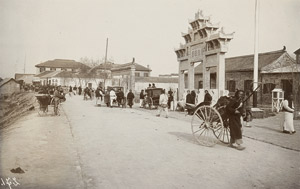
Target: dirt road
{"points": [[100, 147]]}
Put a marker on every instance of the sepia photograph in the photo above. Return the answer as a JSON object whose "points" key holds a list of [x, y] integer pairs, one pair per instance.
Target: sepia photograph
{"points": [[149, 94]]}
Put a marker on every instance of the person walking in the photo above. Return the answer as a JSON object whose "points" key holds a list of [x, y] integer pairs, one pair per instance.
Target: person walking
{"points": [[70, 91], [288, 109], [112, 97], [163, 104], [97, 93], [75, 90], [142, 97], [130, 97], [79, 90], [235, 110], [170, 99]]}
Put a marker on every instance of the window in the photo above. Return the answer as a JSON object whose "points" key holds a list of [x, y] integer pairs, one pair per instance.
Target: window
{"points": [[137, 74], [268, 87], [42, 69], [146, 74], [231, 85], [248, 86], [52, 69], [200, 84]]}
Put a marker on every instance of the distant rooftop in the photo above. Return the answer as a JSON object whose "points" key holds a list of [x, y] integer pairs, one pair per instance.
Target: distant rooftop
{"points": [[62, 63]]}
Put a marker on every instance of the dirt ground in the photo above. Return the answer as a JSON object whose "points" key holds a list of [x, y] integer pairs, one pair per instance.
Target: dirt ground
{"points": [[100, 147]]}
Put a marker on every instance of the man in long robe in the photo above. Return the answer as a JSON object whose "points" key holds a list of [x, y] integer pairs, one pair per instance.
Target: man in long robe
{"points": [[235, 111]]}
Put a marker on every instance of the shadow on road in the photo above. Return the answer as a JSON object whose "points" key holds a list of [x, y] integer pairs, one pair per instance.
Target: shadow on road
{"points": [[184, 136]]}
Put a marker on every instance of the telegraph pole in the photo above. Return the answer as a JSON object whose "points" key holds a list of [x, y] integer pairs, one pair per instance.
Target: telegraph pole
{"points": [[255, 67], [105, 74]]}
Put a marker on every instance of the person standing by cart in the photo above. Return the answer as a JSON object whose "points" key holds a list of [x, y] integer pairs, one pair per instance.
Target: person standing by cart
{"points": [[235, 110], [163, 104], [130, 97]]}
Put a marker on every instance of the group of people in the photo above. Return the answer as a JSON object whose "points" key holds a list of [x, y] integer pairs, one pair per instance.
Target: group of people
{"points": [[144, 98], [75, 90], [119, 97]]}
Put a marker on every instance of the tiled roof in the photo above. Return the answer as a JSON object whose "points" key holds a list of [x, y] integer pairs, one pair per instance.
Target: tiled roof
{"points": [[107, 65], [43, 73], [6, 80], [156, 80], [245, 63], [50, 74], [69, 74], [61, 63], [113, 66], [138, 67], [297, 51]]}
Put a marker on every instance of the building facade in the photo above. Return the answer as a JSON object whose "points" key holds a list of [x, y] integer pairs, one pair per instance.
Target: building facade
{"points": [[277, 69]]}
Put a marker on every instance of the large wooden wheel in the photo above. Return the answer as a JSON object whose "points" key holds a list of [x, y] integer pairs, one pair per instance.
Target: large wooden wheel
{"points": [[206, 122]]}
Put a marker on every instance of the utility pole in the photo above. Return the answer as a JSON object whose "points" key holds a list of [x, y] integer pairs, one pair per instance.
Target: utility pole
{"points": [[105, 74], [255, 67]]}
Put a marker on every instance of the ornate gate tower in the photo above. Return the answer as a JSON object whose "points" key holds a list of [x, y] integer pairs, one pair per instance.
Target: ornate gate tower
{"points": [[206, 43]]}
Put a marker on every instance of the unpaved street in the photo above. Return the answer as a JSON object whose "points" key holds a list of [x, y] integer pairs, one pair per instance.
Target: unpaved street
{"points": [[100, 147]]}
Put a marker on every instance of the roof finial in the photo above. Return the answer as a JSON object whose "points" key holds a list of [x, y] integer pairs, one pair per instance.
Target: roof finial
{"points": [[284, 48], [133, 60]]}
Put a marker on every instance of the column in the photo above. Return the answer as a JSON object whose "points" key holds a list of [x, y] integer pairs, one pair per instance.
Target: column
{"points": [[205, 75], [132, 78], [191, 76], [221, 73], [180, 83]]}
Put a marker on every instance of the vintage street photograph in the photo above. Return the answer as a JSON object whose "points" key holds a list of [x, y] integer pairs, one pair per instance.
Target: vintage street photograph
{"points": [[140, 94]]}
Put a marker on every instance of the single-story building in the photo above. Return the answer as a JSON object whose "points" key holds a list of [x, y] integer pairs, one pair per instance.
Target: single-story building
{"points": [[276, 69], [9, 86]]}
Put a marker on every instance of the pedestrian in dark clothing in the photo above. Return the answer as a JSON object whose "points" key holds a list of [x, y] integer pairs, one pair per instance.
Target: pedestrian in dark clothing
{"points": [[75, 90], [170, 98], [207, 98], [130, 97], [70, 91], [120, 96], [189, 100], [235, 109], [193, 95], [79, 90]]}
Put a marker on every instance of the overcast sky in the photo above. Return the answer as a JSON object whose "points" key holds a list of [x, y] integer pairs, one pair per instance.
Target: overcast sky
{"points": [[34, 31]]}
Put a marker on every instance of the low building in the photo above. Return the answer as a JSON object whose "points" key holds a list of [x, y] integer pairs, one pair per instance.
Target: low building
{"points": [[60, 65], [27, 79], [9, 86], [276, 70]]}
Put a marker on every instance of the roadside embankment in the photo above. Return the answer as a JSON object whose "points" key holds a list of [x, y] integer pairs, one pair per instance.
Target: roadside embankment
{"points": [[14, 106]]}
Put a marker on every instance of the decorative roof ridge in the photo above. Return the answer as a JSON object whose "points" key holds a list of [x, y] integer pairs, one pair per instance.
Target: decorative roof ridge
{"points": [[263, 53]]}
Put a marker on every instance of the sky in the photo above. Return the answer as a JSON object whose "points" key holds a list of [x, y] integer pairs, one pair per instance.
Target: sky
{"points": [[34, 31]]}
